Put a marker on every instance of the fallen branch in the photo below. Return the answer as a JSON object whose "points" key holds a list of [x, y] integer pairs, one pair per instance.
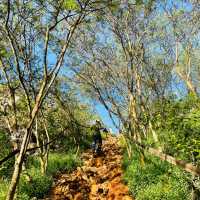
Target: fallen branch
{"points": [[189, 167], [13, 153]]}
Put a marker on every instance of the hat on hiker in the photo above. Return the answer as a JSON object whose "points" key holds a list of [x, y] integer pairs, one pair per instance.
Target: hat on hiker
{"points": [[98, 122]]}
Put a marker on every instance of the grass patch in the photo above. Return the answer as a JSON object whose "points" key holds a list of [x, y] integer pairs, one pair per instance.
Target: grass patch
{"points": [[38, 186], [62, 162], [3, 188], [155, 179]]}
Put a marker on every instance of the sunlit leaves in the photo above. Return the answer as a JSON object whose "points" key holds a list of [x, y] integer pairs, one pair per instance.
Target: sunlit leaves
{"points": [[3, 52], [70, 4], [180, 130], [114, 6], [139, 2]]}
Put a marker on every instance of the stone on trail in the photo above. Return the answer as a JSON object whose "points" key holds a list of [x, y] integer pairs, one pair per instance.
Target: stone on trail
{"points": [[99, 178]]}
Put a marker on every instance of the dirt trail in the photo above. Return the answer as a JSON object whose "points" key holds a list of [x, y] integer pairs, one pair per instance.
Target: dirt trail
{"points": [[98, 179]]}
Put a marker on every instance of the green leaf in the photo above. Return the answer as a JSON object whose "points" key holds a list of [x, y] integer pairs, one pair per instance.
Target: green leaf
{"points": [[139, 2], [70, 5], [3, 53]]}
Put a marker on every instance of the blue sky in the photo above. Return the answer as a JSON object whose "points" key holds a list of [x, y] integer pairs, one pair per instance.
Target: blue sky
{"points": [[103, 113]]}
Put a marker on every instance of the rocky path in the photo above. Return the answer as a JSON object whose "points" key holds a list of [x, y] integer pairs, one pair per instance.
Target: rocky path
{"points": [[98, 179]]}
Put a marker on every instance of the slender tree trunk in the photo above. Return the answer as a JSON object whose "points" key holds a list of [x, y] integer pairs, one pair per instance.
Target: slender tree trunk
{"points": [[188, 82], [46, 150], [133, 119], [128, 147], [18, 167], [43, 163], [154, 134], [24, 145], [185, 77], [195, 191], [43, 150]]}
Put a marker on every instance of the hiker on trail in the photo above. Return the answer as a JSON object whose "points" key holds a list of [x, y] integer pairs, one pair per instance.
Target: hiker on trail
{"points": [[97, 139]]}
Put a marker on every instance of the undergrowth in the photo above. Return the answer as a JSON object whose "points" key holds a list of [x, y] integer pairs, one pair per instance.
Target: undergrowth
{"points": [[153, 179], [32, 183]]}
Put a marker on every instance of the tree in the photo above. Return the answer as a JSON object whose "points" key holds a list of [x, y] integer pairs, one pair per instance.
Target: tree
{"points": [[122, 76], [35, 31]]}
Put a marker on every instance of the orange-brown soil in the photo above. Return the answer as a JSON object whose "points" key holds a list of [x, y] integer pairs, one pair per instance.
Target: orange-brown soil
{"points": [[99, 178]]}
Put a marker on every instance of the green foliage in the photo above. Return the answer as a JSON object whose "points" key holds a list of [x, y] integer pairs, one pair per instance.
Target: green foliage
{"points": [[23, 196], [3, 52], [32, 163], [62, 162], [166, 189], [84, 141], [155, 180], [3, 188], [114, 7], [122, 142], [103, 135], [6, 168], [178, 127], [38, 186], [139, 2], [71, 113], [70, 4]]}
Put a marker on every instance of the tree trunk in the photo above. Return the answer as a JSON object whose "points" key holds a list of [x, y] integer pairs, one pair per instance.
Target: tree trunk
{"points": [[18, 166], [43, 163], [195, 189], [128, 147], [43, 150], [185, 77], [133, 120], [188, 82], [24, 145]]}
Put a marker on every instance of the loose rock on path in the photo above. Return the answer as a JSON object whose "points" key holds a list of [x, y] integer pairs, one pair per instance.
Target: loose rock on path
{"points": [[99, 178]]}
